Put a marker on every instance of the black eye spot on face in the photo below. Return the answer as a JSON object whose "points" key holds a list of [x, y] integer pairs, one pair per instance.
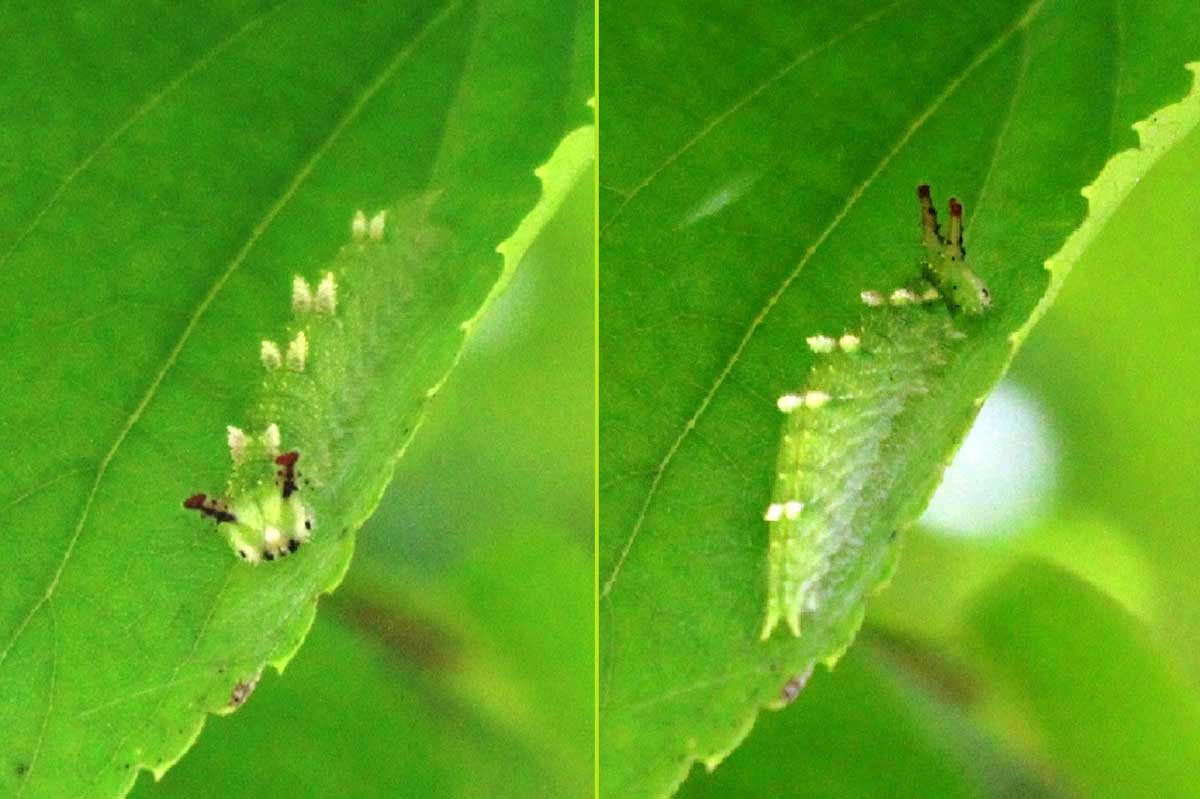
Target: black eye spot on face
{"points": [[242, 554], [307, 524]]}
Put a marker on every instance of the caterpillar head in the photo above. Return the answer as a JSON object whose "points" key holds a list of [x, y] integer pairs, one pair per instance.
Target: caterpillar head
{"points": [[944, 264], [266, 520]]}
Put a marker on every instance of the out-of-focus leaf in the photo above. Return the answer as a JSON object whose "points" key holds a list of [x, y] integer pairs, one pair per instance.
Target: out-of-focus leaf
{"points": [[941, 575], [759, 173], [1117, 363], [1097, 695]]}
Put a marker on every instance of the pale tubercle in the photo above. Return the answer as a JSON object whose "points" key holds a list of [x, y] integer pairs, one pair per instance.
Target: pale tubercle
{"points": [[873, 299], [238, 441], [297, 352], [375, 227], [302, 298], [271, 437], [821, 344], [809, 399], [270, 355], [783, 510], [325, 300]]}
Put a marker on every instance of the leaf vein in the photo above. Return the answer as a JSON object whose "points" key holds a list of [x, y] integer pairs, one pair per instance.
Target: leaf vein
{"points": [[37, 748], [1017, 84]]}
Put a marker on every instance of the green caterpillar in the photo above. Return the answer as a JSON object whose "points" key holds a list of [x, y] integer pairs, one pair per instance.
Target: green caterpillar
{"points": [[838, 426], [308, 396]]}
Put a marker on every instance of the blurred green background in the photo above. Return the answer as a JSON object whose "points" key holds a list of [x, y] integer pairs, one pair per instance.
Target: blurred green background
{"points": [[456, 658], [1042, 634]]}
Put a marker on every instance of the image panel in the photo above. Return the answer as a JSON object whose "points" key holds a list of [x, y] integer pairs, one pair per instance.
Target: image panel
{"points": [[299, 372], [826, 232]]}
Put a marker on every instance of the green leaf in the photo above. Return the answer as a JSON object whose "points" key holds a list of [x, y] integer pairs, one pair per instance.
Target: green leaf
{"points": [[759, 170], [1103, 703], [184, 167]]}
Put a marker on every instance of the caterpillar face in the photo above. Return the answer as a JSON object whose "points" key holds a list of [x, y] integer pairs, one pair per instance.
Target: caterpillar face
{"points": [[845, 417], [268, 521]]}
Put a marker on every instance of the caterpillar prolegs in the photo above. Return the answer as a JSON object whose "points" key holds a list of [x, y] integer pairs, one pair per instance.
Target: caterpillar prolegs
{"points": [[838, 426]]}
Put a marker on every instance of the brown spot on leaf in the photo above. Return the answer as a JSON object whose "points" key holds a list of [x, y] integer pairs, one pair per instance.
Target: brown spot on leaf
{"points": [[792, 688], [241, 692]]}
